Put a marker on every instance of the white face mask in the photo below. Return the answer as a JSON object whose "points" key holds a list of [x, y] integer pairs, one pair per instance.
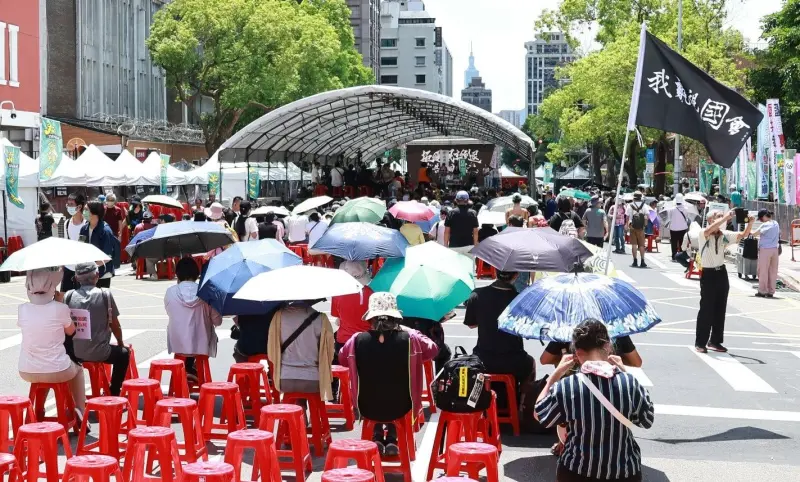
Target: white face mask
{"points": [[72, 210]]}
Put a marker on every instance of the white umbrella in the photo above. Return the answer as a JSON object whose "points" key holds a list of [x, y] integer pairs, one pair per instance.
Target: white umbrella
{"points": [[491, 217], [161, 200], [298, 283], [52, 252], [694, 196], [311, 204], [501, 204], [628, 196], [264, 210]]}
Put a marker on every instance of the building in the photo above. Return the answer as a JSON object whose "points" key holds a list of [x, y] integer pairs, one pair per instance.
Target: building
{"points": [[514, 117], [542, 56], [471, 71], [365, 18], [413, 53], [477, 94]]}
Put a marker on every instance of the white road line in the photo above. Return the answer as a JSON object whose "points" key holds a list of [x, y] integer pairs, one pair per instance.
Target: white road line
{"points": [[796, 353], [655, 261], [10, 341], [624, 277], [681, 280], [639, 374], [734, 413], [738, 376], [419, 468]]}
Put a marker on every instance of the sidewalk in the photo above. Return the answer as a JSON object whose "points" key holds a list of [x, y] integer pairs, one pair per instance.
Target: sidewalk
{"points": [[788, 270]]}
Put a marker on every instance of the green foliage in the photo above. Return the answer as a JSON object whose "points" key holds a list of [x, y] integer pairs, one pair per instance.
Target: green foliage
{"points": [[251, 56]]}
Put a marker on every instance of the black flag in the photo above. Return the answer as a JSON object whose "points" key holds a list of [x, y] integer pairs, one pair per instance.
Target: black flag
{"points": [[672, 94]]}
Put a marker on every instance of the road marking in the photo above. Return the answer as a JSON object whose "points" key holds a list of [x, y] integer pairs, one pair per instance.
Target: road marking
{"points": [[796, 353], [735, 413], [738, 376], [639, 374], [735, 334], [419, 468], [681, 280], [10, 341], [655, 261], [624, 277]]}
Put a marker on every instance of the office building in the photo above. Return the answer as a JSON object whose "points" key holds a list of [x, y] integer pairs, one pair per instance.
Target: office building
{"points": [[471, 71], [413, 53], [542, 56], [514, 117], [365, 18], [477, 94]]}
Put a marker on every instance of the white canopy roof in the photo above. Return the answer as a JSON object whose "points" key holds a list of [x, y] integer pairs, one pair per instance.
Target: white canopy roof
{"points": [[505, 172], [92, 168], [152, 169], [238, 171], [133, 168]]}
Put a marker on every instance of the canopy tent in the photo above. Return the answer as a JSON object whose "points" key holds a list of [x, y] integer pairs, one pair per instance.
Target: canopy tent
{"points": [[92, 168], [238, 171], [133, 168], [539, 172], [506, 173], [576, 172], [21, 220], [152, 168]]}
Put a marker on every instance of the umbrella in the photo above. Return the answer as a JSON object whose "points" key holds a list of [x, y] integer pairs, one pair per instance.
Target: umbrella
{"points": [[411, 211], [688, 208], [695, 196], [161, 200], [311, 204], [140, 236], [595, 264], [230, 270], [549, 309], [183, 237], [53, 252], [363, 209], [426, 226], [501, 204], [264, 210], [491, 217], [297, 283], [575, 193], [361, 241], [429, 282], [540, 249], [628, 196]]}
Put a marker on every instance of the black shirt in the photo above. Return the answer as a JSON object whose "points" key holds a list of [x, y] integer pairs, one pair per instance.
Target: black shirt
{"points": [[484, 233], [461, 221], [253, 332], [350, 177], [44, 226], [384, 376], [622, 345], [484, 306], [556, 220], [267, 231]]}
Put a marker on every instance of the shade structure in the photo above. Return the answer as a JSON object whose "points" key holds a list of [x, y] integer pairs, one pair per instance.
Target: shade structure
{"points": [[228, 271], [412, 211], [135, 173], [311, 204], [53, 252], [501, 204], [183, 238], [540, 249], [297, 283], [363, 209], [161, 200], [550, 309], [152, 167], [361, 241], [429, 282], [695, 196]]}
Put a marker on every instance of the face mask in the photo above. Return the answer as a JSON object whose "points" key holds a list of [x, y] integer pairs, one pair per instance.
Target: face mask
{"points": [[86, 214], [72, 210]]}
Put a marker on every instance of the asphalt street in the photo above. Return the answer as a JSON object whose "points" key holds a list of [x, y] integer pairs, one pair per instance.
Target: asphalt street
{"points": [[731, 417]]}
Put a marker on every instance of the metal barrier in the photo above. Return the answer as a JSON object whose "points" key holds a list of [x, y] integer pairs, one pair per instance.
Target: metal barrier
{"points": [[785, 215], [794, 239]]}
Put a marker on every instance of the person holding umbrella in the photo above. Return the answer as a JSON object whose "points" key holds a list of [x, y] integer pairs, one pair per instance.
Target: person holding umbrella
{"points": [[100, 234]]}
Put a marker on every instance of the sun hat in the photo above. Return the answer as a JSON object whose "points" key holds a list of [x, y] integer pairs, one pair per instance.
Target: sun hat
{"points": [[382, 303], [85, 268], [679, 198], [462, 196], [215, 211]]}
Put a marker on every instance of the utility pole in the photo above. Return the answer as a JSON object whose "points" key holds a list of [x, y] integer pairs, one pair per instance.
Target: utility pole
{"points": [[677, 173]]}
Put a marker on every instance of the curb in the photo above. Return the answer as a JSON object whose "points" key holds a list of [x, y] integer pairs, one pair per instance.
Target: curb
{"points": [[790, 280]]}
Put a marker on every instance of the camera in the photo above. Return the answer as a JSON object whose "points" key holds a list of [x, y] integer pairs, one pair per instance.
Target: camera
{"points": [[13, 114]]}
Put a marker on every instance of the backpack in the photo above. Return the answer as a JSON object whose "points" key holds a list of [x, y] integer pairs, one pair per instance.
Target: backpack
{"points": [[568, 228], [460, 386], [639, 219]]}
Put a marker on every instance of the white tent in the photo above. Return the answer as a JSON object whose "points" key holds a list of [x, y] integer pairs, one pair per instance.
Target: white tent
{"points": [[100, 169], [133, 168], [152, 168], [68, 173], [21, 220], [505, 172]]}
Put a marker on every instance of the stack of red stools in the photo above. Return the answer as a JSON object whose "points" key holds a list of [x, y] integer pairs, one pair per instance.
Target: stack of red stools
{"points": [[320, 190], [484, 269], [405, 442], [350, 191], [652, 240], [14, 244], [692, 271], [124, 239]]}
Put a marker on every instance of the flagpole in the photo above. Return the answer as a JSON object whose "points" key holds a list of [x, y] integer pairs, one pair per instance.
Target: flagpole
{"points": [[677, 172], [617, 199]]}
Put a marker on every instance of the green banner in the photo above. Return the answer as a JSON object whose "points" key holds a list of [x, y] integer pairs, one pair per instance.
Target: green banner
{"points": [[51, 148], [164, 164], [692, 184], [214, 181], [723, 180], [462, 167], [253, 183], [11, 157], [752, 174], [781, 172], [701, 175], [548, 172]]}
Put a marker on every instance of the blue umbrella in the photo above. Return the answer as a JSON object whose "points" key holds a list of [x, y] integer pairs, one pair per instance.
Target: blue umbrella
{"points": [[231, 269], [550, 309], [182, 238], [361, 241], [140, 236], [427, 225]]}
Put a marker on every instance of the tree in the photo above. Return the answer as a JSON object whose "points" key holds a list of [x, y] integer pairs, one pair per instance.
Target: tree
{"points": [[248, 57]]}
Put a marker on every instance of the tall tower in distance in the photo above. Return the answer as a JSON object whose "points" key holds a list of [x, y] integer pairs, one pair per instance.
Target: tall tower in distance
{"points": [[471, 70]]}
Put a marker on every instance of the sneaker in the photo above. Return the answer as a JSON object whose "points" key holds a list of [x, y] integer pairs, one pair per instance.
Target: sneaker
{"points": [[392, 450], [769, 295], [635, 264], [700, 349], [717, 347], [643, 265], [381, 447], [760, 295]]}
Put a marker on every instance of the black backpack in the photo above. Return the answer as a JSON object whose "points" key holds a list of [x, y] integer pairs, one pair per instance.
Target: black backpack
{"points": [[639, 219], [460, 386]]}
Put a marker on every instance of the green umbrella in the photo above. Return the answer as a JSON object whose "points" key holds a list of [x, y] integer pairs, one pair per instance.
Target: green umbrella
{"points": [[363, 209], [575, 193], [429, 282]]}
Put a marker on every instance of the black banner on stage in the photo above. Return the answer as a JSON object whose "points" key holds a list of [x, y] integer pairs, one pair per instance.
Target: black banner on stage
{"points": [[672, 94]]}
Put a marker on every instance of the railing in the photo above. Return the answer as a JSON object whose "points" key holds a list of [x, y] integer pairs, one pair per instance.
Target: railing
{"points": [[784, 214]]}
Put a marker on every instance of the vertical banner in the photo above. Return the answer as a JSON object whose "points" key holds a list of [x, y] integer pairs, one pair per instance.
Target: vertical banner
{"points": [[548, 172], [701, 175], [780, 174], [723, 181], [742, 177], [649, 169], [790, 179], [762, 156], [51, 148], [777, 144], [692, 183], [253, 183], [214, 179], [164, 164], [11, 165], [752, 179], [797, 178]]}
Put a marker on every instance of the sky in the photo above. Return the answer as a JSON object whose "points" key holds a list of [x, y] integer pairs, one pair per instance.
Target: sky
{"points": [[498, 30]]}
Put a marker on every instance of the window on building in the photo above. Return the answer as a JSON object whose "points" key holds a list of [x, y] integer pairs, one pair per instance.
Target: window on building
{"points": [[388, 79], [538, 49], [388, 42], [355, 11], [388, 61], [420, 41], [419, 78], [530, 67], [420, 61]]}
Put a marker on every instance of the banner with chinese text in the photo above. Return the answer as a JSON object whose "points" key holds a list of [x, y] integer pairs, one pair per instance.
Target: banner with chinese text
{"points": [[701, 176], [789, 168], [214, 181], [51, 148], [762, 154], [548, 172], [164, 164], [797, 178], [723, 181], [776, 144], [752, 180], [11, 156], [253, 183], [650, 164]]}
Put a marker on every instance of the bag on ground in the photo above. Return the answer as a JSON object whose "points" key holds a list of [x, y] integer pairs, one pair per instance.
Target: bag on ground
{"points": [[460, 386]]}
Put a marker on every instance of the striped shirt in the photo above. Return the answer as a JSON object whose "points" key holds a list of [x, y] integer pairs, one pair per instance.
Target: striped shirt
{"points": [[598, 445]]}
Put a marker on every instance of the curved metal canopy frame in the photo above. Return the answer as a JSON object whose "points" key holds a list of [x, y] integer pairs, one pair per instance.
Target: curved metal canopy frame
{"points": [[365, 121]]}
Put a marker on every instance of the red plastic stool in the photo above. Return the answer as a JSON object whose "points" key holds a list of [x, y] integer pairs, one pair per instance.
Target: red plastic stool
{"points": [[14, 411], [692, 271], [65, 405], [194, 444], [323, 260], [253, 384], [405, 442], [274, 393], [14, 244], [8, 464], [350, 191], [158, 443], [208, 472], [320, 435], [264, 455], [343, 409], [39, 442], [291, 429], [489, 426], [364, 452], [150, 390], [165, 269], [473, 455], [133, 371], [178, 384], [365, 191], [141, 268], [350, 474], [98, 378], [484, 269], [203, 371], [455, 427], [454, 479], [231, 416], [320, 190], [98, 468], [109, 412], [427, 395], [508, 415]]}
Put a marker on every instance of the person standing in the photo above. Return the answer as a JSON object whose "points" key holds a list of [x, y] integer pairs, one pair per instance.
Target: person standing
{"points": [[678, 224], [296, 228], [550, 205], [114, 215], [45, 221], [618, 213], [596, 223], [714, 284], [517, 209], [638, 213], [75, 206], [337, 179], [461, 226], [736, 197], [100, 234], [437, 230], [413, 233], [769, 238]]}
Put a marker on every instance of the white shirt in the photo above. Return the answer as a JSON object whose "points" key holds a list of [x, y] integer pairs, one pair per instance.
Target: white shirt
{"points": [[630, 210], [712, 254], [437, 232], [336, 177], [315, 231], [42, 349], [73, 233], [678, 218], [296, 226], [315, 175], [250, 228]]}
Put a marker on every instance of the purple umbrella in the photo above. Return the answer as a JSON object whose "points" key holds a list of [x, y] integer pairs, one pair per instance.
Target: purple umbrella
{"points": [[537, 249]]}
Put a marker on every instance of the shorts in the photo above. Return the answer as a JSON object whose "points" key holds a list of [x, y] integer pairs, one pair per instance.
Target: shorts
{"points": [[637, 238]]}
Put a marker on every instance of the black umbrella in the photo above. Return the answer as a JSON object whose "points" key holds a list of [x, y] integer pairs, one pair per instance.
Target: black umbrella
{"points": [[183, 238], [539, 249]]}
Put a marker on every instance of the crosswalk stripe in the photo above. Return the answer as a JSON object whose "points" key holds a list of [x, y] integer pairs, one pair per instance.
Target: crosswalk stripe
{"points": [[738, 376], [624, 277], [640, 375], [10, 341], [681, 279]]}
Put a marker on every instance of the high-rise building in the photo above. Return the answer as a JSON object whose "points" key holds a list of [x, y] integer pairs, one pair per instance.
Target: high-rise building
{"points": [[413, 53], [514, 117], [542, 56], [471, 71], [477, 94], [365, 18]]}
